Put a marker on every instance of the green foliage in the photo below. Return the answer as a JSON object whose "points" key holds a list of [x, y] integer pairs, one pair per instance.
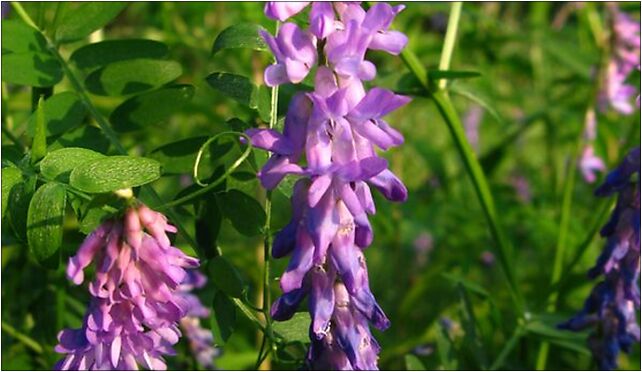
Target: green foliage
{"points": [[17, 37], [207, 227], [103, 53], [243, 35], [10, 177], [244, 212], [223, 318], [132, 76], [19, 199], [78, 20], [39, 144], [57, 165], [225, 277], [413, 363], [295, 329], [242, 90], [178, 157], [62, 112], [114, 173], [44, 220], [150, 108], [31, 68]]}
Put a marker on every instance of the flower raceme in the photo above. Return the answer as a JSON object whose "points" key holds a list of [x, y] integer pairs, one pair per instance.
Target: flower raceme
{"points": [[625, 57], [612, 305], [201, 340], [329, 139], [136, 303]]}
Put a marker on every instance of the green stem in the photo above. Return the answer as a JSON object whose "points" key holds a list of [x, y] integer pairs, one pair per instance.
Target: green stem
{"points": [[560, 247], [26, 340], [480, 183], [449, 40], [207, 188], [23, 14], [248, 314], [508, 347], [604, 207], [267, 242], [475, 172]]}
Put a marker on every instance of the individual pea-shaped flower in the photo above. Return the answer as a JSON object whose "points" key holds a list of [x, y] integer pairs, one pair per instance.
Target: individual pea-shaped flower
{"points": [[590, 164], [282, 10], [295, 52]]}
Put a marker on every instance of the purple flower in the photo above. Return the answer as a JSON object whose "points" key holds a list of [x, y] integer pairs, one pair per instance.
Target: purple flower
{"points": [[617, 93], [522, 188], [6, 9], [201, 340], [295, 53], [487, 258], [423, 244], [625, 57], [471, 124], [614, 302], [282, 10], [347, 343], [590, 164], [336, 127], [135, 303]]}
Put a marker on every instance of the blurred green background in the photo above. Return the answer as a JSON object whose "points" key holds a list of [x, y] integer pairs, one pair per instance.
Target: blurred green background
{"points": [[430, 264]]}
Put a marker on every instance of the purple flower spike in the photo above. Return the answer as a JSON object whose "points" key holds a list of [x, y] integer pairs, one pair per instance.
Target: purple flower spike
{"points": [[136, 301], [624, 59], [336, 126], [612, 305], [201, 340]]}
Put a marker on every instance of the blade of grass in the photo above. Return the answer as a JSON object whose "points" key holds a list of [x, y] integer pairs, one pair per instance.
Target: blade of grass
{"points": [[473, 168]]}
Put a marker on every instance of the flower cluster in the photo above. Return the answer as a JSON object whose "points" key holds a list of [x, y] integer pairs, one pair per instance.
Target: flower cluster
{"points": [[625, 58], [611, 306], [135, 305], [335, 128], [201, 340], [615, 92]]}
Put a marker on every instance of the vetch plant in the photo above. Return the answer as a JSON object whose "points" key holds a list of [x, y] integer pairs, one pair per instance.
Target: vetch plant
{"points": [[335, 128], [614, 303], [182, 231], [136, 302]]}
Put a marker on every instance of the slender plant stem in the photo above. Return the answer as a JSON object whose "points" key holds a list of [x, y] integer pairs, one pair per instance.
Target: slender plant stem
{"points": [[207, 188], [569, 183], [26, 340], [603, 208], [449, 41], [508, 347], [248, 314], [475, 172], [267, 242], [22, 13], [259, 356]]}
